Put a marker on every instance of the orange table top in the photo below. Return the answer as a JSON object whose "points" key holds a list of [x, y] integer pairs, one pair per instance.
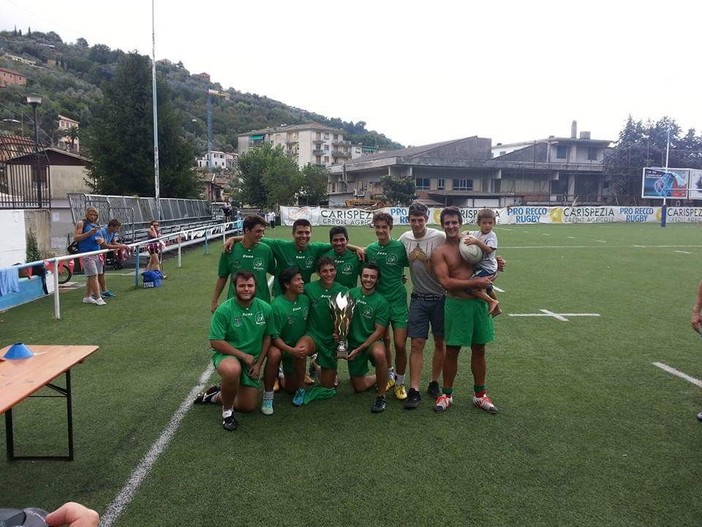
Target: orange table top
{"points": [[21, 378]]}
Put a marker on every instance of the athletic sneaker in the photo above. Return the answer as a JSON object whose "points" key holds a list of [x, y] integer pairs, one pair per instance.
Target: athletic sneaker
{"points": [[230, 423], [389, 384], [433, 390], [100, 302], [699, 416], [378, 405], [443, 403], [485, 403], [208, 396], [89, 300], [413, 399], [400, 392], [107, 294], [299, 398], [267, 407]]}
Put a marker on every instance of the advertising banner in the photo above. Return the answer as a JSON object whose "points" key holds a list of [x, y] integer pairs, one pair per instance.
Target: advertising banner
{"points": [[665, 183], [505, 216]]}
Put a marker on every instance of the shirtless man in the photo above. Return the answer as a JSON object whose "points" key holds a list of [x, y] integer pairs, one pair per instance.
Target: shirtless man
{"points": [[466, 318]]}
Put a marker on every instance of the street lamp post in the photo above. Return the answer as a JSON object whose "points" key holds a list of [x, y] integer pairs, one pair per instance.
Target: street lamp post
{"points": [[34, 101]]}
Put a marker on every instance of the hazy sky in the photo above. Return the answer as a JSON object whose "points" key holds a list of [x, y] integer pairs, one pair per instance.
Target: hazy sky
{"points": [[420, 72]]}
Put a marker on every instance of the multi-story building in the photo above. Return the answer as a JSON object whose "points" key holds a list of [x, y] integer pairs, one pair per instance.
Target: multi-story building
{"points": [[221, 160], [11, 78], [313, 143], [465, 172], [68, 134]]}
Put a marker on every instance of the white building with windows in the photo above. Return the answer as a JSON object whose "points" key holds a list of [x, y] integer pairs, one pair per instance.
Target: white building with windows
{"points": [[313, 143], [219, 160]]}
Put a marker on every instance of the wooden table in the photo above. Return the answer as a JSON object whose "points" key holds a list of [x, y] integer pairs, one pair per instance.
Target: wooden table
{"points": [[21, 378]]}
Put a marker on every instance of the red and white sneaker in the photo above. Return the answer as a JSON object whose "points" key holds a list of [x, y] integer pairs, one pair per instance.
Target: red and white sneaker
{"points": [[443, 403], [485, 403]]}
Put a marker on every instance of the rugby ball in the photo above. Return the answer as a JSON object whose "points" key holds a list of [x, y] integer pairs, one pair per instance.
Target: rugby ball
{"points": [[470, 253]]}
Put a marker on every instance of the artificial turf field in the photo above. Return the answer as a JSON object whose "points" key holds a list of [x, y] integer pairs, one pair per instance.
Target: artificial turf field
{"points": [[589, 432]]}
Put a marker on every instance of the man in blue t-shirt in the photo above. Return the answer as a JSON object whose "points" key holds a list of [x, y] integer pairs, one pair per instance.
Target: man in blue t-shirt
{"points": [[108, 242]]}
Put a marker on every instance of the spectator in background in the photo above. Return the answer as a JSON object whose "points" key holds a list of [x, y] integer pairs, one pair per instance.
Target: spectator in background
{"points": [[155, 245], [270, 218], [87, 234], [227, 211], [108, 242]]}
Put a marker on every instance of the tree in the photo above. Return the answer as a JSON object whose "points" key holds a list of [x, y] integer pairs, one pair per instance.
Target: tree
{"points": [[121, 140], [314, 184], [398, 190], [72, 134], [645, 145], [268, 177]]}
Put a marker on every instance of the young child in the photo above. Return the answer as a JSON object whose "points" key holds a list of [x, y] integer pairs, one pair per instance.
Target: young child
{"points": [[486, 239]]}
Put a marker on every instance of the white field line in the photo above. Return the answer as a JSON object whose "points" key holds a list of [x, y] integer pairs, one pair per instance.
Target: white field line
{"points": [[502, 247], [558, 316], [677, 373], [125, 496], [683, 252], [601, 241]]}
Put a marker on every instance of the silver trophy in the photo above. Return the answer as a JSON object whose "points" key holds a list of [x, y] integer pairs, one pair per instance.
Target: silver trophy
{"points": [[341, 309]]}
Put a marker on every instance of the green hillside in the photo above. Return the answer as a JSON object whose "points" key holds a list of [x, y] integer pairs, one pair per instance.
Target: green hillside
{"points": [[69, 77]]}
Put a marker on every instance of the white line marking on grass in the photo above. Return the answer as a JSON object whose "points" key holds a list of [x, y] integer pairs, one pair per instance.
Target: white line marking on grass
{"points": [[125, 496], [557, 316], [683, 252], [545, 234], [602, 247], [677, 373], [601, 241]]}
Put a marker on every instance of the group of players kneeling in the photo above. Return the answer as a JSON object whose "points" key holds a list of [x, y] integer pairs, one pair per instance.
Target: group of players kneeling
{"points": [[247, 332]]}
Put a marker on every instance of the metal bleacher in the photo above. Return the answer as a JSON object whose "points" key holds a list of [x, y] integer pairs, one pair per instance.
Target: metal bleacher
{"points": [[136, 213]]}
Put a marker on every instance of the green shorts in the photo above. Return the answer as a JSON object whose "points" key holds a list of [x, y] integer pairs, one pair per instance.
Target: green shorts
{"points": [[244, 378], [466, 322], [398, 316], [325, 348], [358, 367]]}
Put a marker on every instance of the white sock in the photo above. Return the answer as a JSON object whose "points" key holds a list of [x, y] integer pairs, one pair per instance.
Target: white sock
{"points": [[227, 413], [400, 380], [391, 373], [268, 396]]}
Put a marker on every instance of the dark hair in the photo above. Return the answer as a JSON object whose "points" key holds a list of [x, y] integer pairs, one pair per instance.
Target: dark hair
{"points": [[338, 230], [418, 209], [451, 211], [244, 275], [286, 276], [251, 221], [372, 266], [301, 223], [485, 213], [114, 223], [382, 216], [324, 260]]}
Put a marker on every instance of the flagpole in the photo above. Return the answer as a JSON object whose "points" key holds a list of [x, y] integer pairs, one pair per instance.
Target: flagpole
{"points": [[664, 208], [157, 189]]}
